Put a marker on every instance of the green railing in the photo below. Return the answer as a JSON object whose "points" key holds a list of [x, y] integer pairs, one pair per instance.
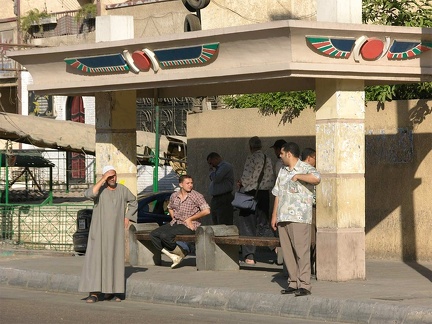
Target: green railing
{"points": [[42, 226]]}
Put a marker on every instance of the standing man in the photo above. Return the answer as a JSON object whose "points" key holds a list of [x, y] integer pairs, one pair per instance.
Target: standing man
{"points": [[250, 180], [221, 186], [277, 149], [185, 207], [114, 206], [292, 216]]}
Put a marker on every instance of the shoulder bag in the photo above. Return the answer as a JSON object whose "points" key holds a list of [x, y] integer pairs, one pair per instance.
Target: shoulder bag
{"points": [[245, 201]]}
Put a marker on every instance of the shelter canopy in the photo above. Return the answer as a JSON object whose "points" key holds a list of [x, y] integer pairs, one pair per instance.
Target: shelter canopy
{"points": [[276, 56]]}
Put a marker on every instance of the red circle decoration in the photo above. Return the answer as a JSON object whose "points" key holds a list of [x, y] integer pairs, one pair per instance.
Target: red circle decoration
{"points": [[372, 49], [141, 60]]}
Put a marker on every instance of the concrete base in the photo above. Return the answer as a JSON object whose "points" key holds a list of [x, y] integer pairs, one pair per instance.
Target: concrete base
{"points": [[142, 253], [209, 255], [340, 254]]}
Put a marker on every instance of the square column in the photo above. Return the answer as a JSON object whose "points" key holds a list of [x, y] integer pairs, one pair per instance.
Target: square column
{"points": [[116, 112], [340, 142], [116, 135], [342, 11]]}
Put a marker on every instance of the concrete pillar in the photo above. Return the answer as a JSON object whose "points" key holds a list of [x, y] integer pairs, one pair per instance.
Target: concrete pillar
{"points": [[116, 135], [213, 256], [341, 11], [116, 112], [340, 142]]}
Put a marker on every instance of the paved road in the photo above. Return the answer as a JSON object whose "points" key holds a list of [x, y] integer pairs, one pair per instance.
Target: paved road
{"points": [[394, 292], [29, 306]]}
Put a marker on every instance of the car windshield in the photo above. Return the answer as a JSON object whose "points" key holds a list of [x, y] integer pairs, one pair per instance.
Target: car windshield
{"points": [[155, 204]]}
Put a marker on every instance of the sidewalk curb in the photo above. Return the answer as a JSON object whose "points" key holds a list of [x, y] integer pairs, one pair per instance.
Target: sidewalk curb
{"points": [[309, 307]]}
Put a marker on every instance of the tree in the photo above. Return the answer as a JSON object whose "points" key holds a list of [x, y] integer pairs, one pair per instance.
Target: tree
{"points": [[413, 13], [289, 104], [410, 13]]}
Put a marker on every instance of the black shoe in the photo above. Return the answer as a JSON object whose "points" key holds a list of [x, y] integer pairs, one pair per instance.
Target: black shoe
{"points": [[288, 291], [302, 292]]}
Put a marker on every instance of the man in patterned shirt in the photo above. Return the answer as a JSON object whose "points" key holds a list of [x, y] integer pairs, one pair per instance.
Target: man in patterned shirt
{"points": [[250, 220], [185, 207], [292, 215]]}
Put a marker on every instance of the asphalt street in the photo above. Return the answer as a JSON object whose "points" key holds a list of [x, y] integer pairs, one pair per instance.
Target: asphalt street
{"points": [[393, 292]]}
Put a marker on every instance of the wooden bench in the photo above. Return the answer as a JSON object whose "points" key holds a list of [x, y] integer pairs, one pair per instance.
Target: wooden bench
{"points": [[145, 236], [217, 246]]}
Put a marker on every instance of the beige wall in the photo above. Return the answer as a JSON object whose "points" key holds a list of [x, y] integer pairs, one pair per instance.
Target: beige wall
{"points": [[167, 17], [245, 12], [154, 19], [398, 159], [399, 181]]}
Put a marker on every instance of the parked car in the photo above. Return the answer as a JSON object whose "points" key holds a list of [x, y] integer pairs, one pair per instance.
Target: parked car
{"points": [[152, 208]]}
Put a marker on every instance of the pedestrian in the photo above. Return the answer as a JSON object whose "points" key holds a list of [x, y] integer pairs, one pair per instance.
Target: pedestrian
{"points": [[257, 176], [277, 149], [292, 216], [114, 206], [308, 155], [277, 166], [185, 207], [221, 186]]}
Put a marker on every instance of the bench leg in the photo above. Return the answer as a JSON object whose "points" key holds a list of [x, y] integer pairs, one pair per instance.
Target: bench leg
{"points": [[210, 256], [142, 253]]}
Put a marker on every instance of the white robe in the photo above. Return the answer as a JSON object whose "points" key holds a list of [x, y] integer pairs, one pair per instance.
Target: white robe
{"points": [[104, 269]]}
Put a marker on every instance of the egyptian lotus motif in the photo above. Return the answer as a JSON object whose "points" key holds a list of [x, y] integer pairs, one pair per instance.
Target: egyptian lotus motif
{"points": [[369, 48], [143, 60]]}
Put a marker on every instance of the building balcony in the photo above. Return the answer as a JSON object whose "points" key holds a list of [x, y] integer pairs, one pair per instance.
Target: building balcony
{"points": [[61, 24]]}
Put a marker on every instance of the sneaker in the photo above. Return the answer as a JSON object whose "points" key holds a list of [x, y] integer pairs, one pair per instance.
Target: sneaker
{"points": [[179, 255]]}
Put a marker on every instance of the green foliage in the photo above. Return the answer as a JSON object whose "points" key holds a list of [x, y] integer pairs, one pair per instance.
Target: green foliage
{"points": [[89, 10], [289, 104], [33, 17], [412, 13]]}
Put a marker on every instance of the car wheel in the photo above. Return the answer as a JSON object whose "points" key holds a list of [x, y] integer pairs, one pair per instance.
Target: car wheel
{"points": [[192, 23]]}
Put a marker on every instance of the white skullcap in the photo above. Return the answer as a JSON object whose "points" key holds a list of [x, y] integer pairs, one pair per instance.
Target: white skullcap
{"points": [[107, 168]]}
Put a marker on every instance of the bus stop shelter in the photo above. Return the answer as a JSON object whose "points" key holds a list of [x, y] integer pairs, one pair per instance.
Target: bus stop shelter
{"points": [[335, 59]]}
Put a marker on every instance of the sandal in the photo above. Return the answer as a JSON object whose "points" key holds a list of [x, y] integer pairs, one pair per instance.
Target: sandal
{"points": [[92, 299], [112, 297]]}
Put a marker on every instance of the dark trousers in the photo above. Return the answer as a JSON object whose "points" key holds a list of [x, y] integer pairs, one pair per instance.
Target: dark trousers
{"points": [[222, 211], [313, 242], [164, 236], [250, 221]]}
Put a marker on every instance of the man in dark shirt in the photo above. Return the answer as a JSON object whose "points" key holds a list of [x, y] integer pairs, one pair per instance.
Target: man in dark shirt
{"points": [[221, 186]]}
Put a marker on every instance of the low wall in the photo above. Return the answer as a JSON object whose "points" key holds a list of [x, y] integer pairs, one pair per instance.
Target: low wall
{"points": [[398, 159], [48, 227]]}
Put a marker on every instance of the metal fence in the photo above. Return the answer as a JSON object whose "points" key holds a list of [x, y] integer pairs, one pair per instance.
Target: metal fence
{"points": [[49, 227]]}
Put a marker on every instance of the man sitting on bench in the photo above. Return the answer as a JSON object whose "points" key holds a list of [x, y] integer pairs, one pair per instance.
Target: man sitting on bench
{"points": [[185, 207]]}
